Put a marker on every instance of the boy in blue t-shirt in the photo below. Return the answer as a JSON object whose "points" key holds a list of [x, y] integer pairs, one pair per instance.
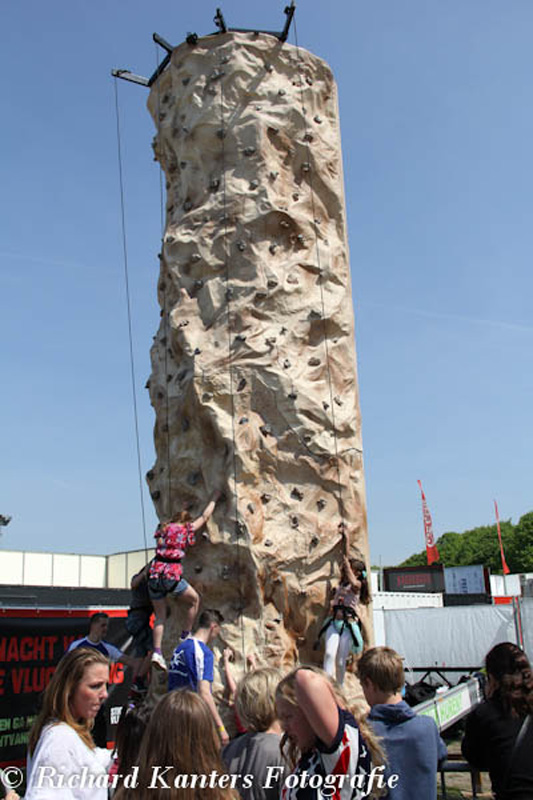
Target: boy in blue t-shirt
{"points": [[191, 666]]}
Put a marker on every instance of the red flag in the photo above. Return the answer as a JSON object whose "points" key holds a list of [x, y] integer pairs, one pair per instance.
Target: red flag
{"points": [[506, 569], [431, 547]]}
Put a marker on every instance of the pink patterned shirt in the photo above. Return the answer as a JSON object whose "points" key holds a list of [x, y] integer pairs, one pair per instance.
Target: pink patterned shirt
{"points": [[172, 542]]}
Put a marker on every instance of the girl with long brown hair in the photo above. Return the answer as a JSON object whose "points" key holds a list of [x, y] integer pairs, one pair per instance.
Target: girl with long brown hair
{"points": [[60, 746], [180, 757], [499, 732]]}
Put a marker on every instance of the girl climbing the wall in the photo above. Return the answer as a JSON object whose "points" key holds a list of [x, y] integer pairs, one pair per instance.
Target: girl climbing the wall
{"points": [[342, 628], [165, 575]]}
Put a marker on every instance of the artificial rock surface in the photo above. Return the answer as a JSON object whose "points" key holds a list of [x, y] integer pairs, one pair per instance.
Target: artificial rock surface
{"points": [[253, 368]]}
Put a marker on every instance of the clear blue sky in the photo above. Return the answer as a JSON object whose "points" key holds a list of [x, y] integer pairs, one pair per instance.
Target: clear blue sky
{"points": [[437, 129]]}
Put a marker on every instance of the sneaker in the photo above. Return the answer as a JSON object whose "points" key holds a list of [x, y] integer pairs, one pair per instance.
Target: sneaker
{"points": [[159, 662]]}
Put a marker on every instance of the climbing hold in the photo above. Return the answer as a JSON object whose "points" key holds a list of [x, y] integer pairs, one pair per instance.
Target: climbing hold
{"points": [[325, 405], [286, 364], [212, 91], [295, 196], [241, 246], [270, 341], [308, 137], [241, 528], [198, 284], [215, 183], [198, 568], [273, 248], [169, 378], [240, 338], [193, 478], [292, 395], [283, 330], [150, 475], [338, 400], [268, 542], [318, 119], [300, 239], [273, 130], [314, 362], [162, 116], [187, 205], [306, 166], [196, 257], [160, 395], [185, 81], [296, 494], [183, 323], [321, 504], [155, 495], [225, 573], [241, 384], [185, 129], [254, 184], [206, 397], [273, 176], [294, 522], [314, 541], [229, 293], [196, 351], [147, 384], [225, 60], [314, 315], [292, 279], [249, 151], [266, 430], [272, 283], [269, 67], [162, 287], [221, 133], [265, 498], [243, 420], [282, 92], [170, 239], [216, 74], [284, 224], [251, 508], [185, 424]]}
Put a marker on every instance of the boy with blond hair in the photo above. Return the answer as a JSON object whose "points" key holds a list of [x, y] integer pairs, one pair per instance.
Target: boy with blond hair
{"points": [[412, 743]]}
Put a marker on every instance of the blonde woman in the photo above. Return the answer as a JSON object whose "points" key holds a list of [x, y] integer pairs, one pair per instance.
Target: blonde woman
{"points": [[327, 746], [63, 761]]}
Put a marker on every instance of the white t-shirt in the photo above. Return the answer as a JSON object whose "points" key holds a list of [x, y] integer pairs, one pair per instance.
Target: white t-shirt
{"points": [[64, 768]]}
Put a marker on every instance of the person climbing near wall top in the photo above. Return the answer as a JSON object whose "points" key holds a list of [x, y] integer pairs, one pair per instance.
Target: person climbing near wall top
{"points": [[342, 627], [165, 575]]}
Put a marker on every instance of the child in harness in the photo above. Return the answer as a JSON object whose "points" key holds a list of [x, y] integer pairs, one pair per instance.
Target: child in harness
{"points": [[342, 628]]}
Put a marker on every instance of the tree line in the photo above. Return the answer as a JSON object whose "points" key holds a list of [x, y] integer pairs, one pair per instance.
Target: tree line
{"points": [[481, 546]]}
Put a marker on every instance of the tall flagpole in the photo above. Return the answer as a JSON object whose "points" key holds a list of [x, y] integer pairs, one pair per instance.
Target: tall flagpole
{"points": [[505, 568], [431, 548]]}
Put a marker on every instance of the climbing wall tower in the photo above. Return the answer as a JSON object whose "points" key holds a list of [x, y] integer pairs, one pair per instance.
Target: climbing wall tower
{"points": [[253, 367]]}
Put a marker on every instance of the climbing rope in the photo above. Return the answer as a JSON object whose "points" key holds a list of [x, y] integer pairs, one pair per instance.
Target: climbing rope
{"points": [[128, 308], [163, 287], [238, 524], [322, 299]]}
